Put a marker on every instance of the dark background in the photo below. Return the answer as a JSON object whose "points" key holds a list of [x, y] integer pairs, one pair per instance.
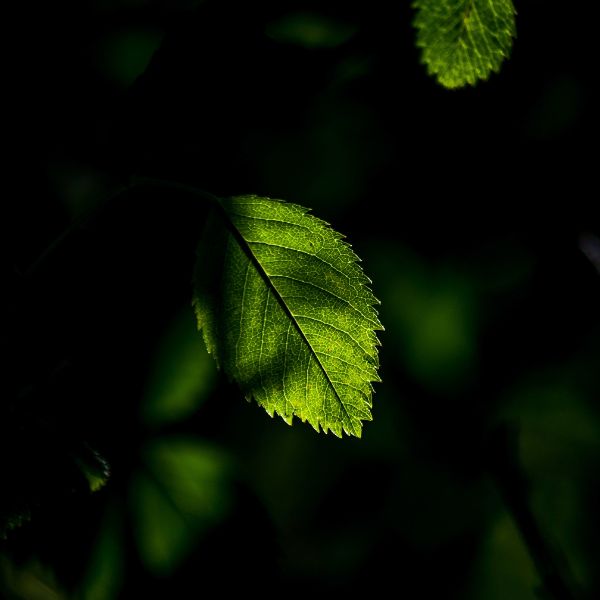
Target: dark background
{"points": [[470, 209]]}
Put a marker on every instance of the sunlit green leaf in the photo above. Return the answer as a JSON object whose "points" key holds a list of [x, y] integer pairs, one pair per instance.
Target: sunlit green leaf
{"points": [[182, 491], [463, 41], [285, 308]]}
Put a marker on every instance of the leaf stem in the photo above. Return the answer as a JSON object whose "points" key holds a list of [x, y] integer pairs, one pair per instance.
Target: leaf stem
{"points": [[139, 181], [136, 182], [68, 231]]}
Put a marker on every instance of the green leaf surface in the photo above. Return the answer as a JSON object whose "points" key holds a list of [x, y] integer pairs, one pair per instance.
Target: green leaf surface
{"points": [[463, 41], [286, 311]]}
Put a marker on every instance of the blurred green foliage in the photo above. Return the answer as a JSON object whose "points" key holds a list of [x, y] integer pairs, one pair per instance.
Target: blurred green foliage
{"points": [[180, 492], [504, 568], [431, 314], [125, 55], [464, 42], [310, 30], [183, 377], [104, 574]]}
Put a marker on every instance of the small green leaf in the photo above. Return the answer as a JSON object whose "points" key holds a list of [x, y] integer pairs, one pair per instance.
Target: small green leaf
{"points": [[93, 466], [463, 41], [286, 311]]}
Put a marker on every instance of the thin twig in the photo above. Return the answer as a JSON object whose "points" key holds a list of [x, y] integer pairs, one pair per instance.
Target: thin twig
{"points": [[136, 182]]}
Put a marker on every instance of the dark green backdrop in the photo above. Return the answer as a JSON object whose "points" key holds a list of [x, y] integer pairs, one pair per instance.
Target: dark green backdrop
{"points": [[469, 208]]}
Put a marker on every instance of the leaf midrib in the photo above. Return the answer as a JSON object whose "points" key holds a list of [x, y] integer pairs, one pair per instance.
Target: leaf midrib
{"points": [[245, 246]]}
